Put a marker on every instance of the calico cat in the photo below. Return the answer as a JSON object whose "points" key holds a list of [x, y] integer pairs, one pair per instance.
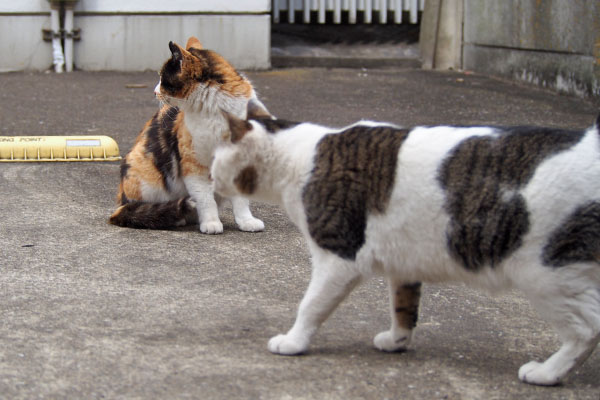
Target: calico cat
{"points": [[165, 177], [495, 207]]}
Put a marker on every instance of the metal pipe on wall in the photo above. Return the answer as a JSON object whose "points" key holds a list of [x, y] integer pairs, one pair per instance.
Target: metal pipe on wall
{"points": [[68, 29], [58, 59], [62, 58]]}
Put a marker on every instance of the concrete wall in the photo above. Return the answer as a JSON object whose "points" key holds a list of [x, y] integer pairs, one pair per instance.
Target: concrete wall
{"points": [[21, 44], [553, 43], [440, 39], [133, 35]]}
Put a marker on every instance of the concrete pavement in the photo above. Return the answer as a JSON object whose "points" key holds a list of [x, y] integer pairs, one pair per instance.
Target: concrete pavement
{"points": [[90, 310]]}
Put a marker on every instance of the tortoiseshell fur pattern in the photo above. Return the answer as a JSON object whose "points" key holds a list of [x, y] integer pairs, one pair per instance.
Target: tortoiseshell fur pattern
{"points": [[165, 178]]}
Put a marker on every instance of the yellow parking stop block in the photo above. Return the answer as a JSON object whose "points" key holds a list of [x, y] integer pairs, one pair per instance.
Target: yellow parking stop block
{"points": [[58, 148]]}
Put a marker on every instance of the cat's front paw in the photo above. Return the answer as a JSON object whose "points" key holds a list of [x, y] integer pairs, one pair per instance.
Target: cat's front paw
{"points": [[387, 341], [251, 225], [537, 373], [285, 345], [211, 227]]}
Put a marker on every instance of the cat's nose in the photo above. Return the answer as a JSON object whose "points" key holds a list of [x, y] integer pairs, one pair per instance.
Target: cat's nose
{"points": [[157, 88]]}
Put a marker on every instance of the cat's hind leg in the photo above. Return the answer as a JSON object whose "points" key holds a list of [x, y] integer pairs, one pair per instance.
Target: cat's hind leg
{"points": [[404, 307], [573, 309], [243, 216], [331, 281]]}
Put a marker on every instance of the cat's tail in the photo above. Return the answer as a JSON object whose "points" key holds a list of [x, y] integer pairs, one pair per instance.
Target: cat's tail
{"points": [[145, 215]]}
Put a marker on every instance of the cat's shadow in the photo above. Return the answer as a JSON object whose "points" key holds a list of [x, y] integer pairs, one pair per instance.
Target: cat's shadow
{"points": [[227, 228], [412, 358], [187, 228]]}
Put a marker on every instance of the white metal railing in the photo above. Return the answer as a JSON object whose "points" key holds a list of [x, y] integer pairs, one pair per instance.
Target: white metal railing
{"points": [[368, 7]]}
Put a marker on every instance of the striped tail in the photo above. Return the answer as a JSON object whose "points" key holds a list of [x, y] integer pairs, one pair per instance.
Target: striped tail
{"points": [[144, 215]]}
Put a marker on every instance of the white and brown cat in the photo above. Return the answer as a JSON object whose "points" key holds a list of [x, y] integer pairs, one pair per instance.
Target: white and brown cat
{"points": [[165, 177], [493, 207]]}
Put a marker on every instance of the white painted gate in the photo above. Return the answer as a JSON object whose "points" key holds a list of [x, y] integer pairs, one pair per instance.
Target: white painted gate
{"points": [[367, 7]]}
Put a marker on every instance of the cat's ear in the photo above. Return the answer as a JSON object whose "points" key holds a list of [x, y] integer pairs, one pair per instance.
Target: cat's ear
{"points": [[193, 43], [175, 51], [256, 109], [238, 127]]}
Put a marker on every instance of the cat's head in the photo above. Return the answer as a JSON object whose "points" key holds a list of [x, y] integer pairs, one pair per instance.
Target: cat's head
{"points": [[240, 163], [193, 75]]}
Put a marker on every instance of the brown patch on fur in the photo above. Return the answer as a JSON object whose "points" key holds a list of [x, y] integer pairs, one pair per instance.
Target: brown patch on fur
{"points": [[218, 71], [164, 112], [238, 127], [155, 161], [276, 125], [179, 74], [139, 214], [139, 165], [482, 176], [131, 187], [256, 110], [353, 177], [233, 83], [577, 239], [406, 305], [187, 68], [141, 168], [116, 218], [189, 162], [121, 197], [246, 180], [193, 42]]}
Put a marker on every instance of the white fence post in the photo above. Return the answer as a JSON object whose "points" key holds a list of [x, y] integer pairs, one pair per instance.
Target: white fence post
{"points": [[352, 7]]}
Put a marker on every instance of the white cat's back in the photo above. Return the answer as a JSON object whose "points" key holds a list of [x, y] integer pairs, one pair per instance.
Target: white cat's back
{"points": [[563, 182], [299, 145], [410, 234]]}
